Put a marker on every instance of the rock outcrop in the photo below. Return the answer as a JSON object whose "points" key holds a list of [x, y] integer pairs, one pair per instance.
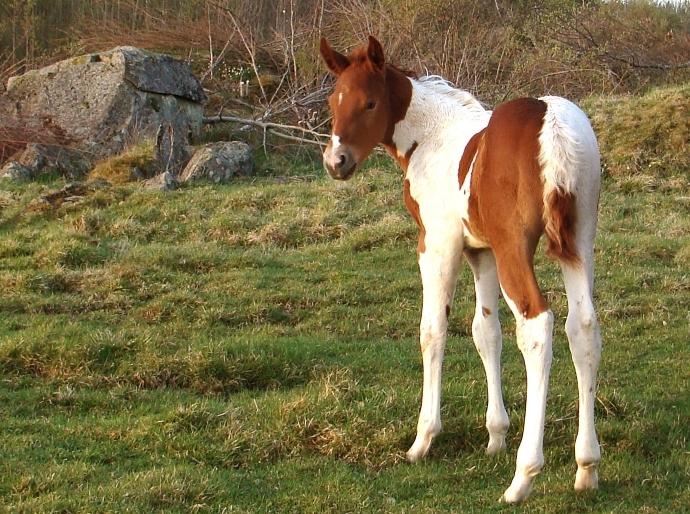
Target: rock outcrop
{"points": [[102, 102]]}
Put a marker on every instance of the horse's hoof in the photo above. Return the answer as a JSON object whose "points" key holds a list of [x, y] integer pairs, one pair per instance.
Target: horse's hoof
{"points": [[413, 457], [415, 453], [586, 479], [496, 445], [419, 449], [518, 491]]}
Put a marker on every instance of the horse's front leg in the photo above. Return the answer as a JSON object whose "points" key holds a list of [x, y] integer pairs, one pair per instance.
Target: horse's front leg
{"points": [[438, 264]]}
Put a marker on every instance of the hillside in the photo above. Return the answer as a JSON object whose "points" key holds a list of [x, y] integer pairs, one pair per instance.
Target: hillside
{"points": [[646, 134], [253, 347]]}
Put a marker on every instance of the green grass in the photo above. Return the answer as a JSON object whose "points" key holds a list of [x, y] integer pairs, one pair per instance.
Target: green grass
{"points": [[253, 348]]}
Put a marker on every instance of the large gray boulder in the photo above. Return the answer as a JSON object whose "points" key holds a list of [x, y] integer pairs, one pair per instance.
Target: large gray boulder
{"points": [[102, 102], [219, 162]]}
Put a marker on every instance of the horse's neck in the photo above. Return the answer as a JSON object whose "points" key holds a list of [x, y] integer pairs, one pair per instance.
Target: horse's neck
{"points": [[437, 126], [435, 118]]}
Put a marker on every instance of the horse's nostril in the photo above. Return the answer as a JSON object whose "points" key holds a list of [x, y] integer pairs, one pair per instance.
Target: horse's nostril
{"points": [[341, 160]]}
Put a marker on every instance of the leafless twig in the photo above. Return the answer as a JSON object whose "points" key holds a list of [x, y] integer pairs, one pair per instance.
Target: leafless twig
{"points": [[261, 124], [250, 51], [276, 129]]}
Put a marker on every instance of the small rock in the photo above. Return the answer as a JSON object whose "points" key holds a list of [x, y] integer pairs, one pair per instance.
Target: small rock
{"points": [[72, 199], [162, 182], [15, 171], [71, 190], [219, 162], [98, 183]]}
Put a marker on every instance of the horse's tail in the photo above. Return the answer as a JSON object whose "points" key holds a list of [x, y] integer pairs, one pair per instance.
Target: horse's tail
{"points": [[569, 160]]}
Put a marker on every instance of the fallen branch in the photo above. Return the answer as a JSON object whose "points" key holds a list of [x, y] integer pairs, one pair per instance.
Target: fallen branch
{"points": [[295, 138], [273, 128]]}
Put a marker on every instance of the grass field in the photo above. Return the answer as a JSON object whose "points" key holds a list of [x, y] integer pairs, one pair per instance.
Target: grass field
{"points": [[253, 348]]}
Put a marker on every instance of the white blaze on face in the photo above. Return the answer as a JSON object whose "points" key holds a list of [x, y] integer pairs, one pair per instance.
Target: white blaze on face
{"points": [[331, 151], [335, 142], [340, 98]]}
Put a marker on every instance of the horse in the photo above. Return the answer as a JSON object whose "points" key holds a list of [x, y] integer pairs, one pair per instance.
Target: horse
{"points": [[486, 185]]}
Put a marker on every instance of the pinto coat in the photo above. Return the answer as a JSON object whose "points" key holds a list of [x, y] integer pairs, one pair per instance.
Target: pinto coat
{"points": [[487, 185]]}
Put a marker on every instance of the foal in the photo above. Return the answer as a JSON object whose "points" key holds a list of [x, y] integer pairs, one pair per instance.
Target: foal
{"points": [[487, 185]]}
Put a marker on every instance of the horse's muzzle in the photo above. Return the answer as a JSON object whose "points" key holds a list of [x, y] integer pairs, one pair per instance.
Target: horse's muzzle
{"points": [[339, 164]]}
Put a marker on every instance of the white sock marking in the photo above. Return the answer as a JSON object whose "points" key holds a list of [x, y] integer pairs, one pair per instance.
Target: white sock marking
{"points": [[534, 338]]}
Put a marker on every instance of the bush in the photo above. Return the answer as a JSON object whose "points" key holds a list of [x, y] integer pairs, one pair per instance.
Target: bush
{"points": [[497, 49]]}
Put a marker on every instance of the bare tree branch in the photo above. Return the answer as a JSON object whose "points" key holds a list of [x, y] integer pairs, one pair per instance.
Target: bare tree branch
{"points": [[271, 128]]}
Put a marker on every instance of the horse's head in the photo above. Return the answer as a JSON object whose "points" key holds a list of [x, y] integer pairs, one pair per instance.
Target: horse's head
{"points": [[360, 105]]}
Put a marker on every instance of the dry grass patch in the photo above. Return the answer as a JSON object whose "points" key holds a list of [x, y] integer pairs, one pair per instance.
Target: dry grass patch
{"points": [[682, 257], [120, 169], [647, 134]]}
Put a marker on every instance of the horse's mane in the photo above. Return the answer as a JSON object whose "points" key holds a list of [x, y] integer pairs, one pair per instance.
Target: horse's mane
{"points": [[441, 86]]}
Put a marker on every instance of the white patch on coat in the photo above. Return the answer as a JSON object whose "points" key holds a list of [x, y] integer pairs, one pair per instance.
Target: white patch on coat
{"points": [[568, 149], [465, 192], [340, 98], [335, 142], [441, 120]]}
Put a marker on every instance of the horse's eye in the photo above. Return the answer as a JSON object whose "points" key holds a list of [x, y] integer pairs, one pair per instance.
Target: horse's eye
{"points": [[371, 105]]}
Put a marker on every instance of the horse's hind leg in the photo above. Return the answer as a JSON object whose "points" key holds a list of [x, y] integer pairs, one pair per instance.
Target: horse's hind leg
{"points": [[534, 331], [584, 337], [486, 332]]}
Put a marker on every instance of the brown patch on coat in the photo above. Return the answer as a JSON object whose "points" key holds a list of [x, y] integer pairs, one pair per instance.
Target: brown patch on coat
{"points": [[413, 208], [468, 156], [560, 226], [506, 208], [404, 160], [447, 311], [399, 97], [486, 311]]}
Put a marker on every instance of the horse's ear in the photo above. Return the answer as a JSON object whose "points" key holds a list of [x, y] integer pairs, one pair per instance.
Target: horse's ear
{"points": [[375, 53], [335, 61]]}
